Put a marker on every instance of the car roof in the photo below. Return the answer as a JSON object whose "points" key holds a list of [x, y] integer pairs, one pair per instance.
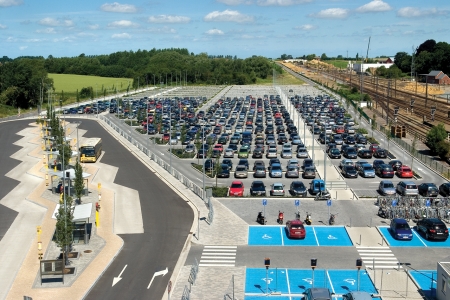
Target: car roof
{"points": [[277, 184], [399, 220]]}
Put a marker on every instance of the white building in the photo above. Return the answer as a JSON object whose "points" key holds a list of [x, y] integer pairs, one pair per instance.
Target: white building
{"points": [[362, 67]]}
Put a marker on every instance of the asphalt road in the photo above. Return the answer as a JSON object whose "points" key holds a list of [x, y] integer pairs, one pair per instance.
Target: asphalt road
{"points": [[8, 136], [167, 221]]}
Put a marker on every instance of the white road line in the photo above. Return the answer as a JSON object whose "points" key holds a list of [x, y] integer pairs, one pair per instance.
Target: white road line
{"points": [[218, 257], [420, 239], [214, 265], [221, 247], [315, 235], [281, 233], [214, 261]]}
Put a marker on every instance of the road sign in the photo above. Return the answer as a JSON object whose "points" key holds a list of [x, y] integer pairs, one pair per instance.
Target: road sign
{"points": [[428, 203], [264, 202], [394, 203], [329, 202], [297, 202]]}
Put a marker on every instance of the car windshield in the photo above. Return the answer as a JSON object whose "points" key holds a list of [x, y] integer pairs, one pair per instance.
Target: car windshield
{"points": [[411, 186], [402, 226], [240, 168], [297, 226], [236, 185], [388, 185], [277, 187], [368, 168], [298, 185], [258, 184]]}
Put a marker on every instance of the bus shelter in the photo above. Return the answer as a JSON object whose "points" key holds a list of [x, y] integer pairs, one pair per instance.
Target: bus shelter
{"points": [[56, 181]]}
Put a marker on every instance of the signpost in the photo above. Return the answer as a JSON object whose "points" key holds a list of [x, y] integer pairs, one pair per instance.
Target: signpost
{"points": [[297, 204], [329, 205], [264, 203]]}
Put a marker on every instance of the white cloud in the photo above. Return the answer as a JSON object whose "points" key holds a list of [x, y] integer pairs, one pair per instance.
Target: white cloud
{"points": [[94, 26], [118, 8], [3, 26], [121, 36], [85, 34], [56, 23], [414, 12], [23, 47], [234, 2], [215, 32], [64, 39], [168, 19], [332, 13], [305, 27], [122, 23], [374, 6], [227, 16], [163, 30], [49, 30], [11, 39], [6, 3], [34, 40], [281, 2]]}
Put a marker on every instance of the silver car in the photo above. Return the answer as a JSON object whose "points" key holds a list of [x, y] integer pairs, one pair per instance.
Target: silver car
{"points": [[407, 188], [386, 187], [367, 171], [286, 153], [228, 153], [277, 189], [189, 148], [302, 153], [271, 153], [292, 172], [241, 172]]}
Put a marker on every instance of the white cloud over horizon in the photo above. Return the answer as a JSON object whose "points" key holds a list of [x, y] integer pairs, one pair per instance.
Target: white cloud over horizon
{"points": [[331, 13], [168, 19], [56, 22], [214, 32], [123, 24], [227, 16], [8, 3], [121, 36], [415, 12], [374, 6], [118, 8]]}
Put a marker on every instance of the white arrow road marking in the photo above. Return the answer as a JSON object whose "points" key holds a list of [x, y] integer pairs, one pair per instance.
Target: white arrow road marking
{"points": [[162, 272], [118, 278]]}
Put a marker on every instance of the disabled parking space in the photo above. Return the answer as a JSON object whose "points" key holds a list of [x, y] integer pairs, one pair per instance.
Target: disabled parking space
{"points": [[315, 236], [292, 283], [426, 281], [417, 241]]}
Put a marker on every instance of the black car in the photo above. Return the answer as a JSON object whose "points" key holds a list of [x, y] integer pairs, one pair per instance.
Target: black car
{"points": [[334, 153], [361, 139], [309, 172], [395, 164], [380, 153], [308, 163], [444, 189], [350, 139], [258, 188], [432, 229], [257, 153], [297, 188], [428, 190], [224, 171], [377, 162], [350, 152], [384, 171], [365, 153], [228, 162], [349, 171], [243, 162], [209, 165]]}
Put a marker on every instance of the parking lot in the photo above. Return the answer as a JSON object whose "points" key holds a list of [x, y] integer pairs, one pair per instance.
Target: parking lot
{"points": [[418, 239]]}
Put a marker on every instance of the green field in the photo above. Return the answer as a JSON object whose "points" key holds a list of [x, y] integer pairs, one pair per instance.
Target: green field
{"points": [[342, 64], [70, 83], [283, 79]]}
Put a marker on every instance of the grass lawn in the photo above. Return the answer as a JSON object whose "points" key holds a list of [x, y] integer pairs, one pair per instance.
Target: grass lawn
{"points": [[283, 79], [70, 83], [338, 63]]}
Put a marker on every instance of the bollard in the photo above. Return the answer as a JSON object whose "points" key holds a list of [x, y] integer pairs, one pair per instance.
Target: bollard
{"points": [[407, 279], [360, 240]]}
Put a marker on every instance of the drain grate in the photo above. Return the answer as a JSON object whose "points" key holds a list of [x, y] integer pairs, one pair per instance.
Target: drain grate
{"points": [[87, 251]]}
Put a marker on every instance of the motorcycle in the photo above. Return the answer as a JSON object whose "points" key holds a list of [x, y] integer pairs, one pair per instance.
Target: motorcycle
{"points": [[261, 219], [308, 219], [280, 217], [331, 221]]}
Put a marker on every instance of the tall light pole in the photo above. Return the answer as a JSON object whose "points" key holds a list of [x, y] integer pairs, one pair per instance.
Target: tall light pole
{"points": [[203, 158], [170, 136]]}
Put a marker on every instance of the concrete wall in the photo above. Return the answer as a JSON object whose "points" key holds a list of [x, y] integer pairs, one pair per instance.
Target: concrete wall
{"points": [[357, 66], [442, 283]]}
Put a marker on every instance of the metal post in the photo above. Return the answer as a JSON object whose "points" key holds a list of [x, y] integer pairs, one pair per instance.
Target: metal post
{"points": [[267, 281], [407, 279], [360, 240], [313, 277], [381, 284], [328, 215], [170, 138], [358, 278], [203, 158]]}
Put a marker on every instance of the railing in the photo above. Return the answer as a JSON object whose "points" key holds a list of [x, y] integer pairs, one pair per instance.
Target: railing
{"points": [[129, 135]]}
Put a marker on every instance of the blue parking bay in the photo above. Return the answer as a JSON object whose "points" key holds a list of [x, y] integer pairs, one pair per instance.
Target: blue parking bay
{"points": [[265, 235], [417, 241], [301, 280], [315, 236], [426, 280], [332, 236], [256, 282], [386, 232], [344, 281]]}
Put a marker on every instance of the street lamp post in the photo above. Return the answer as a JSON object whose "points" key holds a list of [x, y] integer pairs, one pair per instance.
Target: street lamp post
{"points": [[203, 158]]}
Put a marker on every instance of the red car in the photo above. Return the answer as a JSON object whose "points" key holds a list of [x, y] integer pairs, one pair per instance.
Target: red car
{"points": [[236, 189], [404, 172], [295, 229], [166, 137], [218, 147], [374, 147], [340, 129]]}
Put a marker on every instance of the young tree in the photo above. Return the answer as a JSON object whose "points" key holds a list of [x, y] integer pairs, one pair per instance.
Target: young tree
{"points": [[78, 97], [374, 124], [79, 182], [413, 149], [64, 227], [436, 135]]}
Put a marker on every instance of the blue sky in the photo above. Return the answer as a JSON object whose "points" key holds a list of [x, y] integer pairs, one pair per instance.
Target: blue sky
{"points": [[228, 27]]}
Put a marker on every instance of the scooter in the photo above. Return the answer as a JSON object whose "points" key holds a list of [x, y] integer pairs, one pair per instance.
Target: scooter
{"points": [[331, 221], [261, 219], [297, 216], [280, 217], [308, 219]]}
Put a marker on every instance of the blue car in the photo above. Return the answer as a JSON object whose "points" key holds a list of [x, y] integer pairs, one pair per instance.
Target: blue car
{"points": [[366, 170], [275, 171], [400, 230]]}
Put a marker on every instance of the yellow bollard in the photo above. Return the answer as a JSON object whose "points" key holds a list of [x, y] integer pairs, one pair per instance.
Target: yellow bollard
{"points": [[54, 168], [99, 186], [61, 200], [97, 219], [43, 159], [39, 231]]}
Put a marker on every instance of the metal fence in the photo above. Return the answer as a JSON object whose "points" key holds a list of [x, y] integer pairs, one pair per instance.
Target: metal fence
{"points": [[146, 149]]}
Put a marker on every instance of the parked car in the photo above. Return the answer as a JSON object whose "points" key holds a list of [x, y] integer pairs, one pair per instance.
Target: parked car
{"points": [[384, 171], [224, 171], [350, 152], [407, 188], [428, 190], [292, 172], [357, 295], [433, 229], [295, 229], [257, 153], [380, 153], [241, 172], [404, 172], [243, 153], [386, 187], [334, 153], [228, 162], [365, 153], [360, 163], [258, 188], [277, 189], [346, 162], [400, 229], [271, 153], [189, 148], [229, 153], [444, 189], [275, 170], [395, 164], [236, 189], [298, 188], [308, 163], [259, 171], [287, 153], [377, 162], [209, 165], [367, 171], [309, 172], [349, 172], [374, 147], [317, 294], [302, 153]]}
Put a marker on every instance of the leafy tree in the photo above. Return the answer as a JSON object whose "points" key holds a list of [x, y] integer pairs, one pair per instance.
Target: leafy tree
{"points": [[79, 182], [443, 149], [323, 57], [435, 136], [64, 227]]}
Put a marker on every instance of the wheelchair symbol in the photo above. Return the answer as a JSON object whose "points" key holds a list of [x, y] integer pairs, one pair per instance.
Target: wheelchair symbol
{"points": [[266, 237], [350, 280]]}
